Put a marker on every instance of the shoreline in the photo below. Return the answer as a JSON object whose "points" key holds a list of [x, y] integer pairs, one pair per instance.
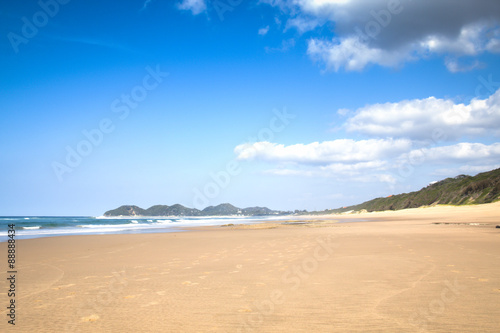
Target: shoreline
{"points": [[408, 272], [37, 227], [454, 213]]}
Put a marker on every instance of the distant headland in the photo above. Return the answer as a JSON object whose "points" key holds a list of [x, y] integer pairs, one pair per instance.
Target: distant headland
{"points": [[460, 190], [180, 210]]}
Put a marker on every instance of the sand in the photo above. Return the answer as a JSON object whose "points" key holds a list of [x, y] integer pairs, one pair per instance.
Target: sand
{"points": [[422, 270]]}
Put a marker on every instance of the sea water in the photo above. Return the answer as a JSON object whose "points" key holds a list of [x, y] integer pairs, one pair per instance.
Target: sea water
{"points": [[45, 226]]}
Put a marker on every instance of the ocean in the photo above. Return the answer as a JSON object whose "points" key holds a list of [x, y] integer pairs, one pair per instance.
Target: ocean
{"points": [[49, 226]]}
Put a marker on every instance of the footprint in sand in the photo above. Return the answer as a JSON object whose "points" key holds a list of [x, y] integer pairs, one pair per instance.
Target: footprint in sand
{"points": [[189, 283], [149, 304], [64, 286], [245, 310], [143, 279], [93, 317]]}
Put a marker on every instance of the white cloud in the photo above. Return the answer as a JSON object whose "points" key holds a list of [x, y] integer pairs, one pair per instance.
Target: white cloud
{"points": [[146, 4], [384, 162], [352, 54], [335, 169], [355, 52], [328, 152], [343, 112], [264, 31], [429, 119], [465, 157], [290, 172], [365, 172], [470, 41], [195, 6], [302, 25], [465, 169], [464, 152], [493, 45], [454, 65], [390, 33]]}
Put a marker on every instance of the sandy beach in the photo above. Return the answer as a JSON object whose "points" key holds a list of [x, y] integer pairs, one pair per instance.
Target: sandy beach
{"points": [[420, 270]]}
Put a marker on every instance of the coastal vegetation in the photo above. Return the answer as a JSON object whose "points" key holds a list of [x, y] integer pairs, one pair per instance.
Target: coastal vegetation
{"points": [[460, 190]]}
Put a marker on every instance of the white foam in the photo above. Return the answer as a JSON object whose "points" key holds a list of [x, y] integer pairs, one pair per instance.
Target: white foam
{"points": [[140, 225], [108, 226], [163, 221]]}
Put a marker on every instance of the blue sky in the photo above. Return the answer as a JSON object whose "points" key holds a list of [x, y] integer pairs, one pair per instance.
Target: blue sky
{"points": [[304, 104]]}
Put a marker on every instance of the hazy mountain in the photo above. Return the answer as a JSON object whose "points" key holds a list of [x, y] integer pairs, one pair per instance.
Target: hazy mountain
{"points": [[126, 211], [180, 210], [222, 209]]}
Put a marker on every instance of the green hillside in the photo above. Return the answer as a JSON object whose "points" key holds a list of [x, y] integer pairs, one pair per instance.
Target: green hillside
{"points": [[126, 210], [222, 209], [461, 190]]}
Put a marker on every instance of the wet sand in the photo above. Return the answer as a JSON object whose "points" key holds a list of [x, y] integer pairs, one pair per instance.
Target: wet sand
{"points": [[422, 270]]}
